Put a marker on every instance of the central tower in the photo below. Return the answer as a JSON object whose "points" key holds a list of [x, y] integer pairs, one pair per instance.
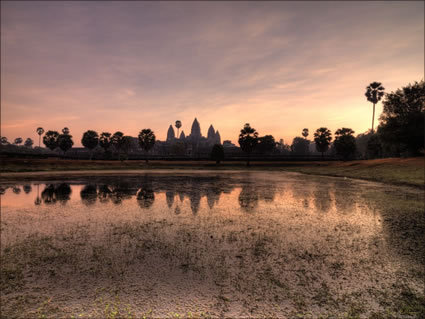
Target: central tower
{"points": [[195, 132]]}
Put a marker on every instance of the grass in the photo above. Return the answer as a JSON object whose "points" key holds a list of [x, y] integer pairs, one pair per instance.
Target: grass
{"points": [[408, 171]]}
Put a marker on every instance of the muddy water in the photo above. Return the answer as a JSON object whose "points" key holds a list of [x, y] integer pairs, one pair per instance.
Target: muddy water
{"points": [[232, 244]]}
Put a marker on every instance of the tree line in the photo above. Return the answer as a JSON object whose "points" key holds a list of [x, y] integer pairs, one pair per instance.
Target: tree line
{"points": [[400, 132]]}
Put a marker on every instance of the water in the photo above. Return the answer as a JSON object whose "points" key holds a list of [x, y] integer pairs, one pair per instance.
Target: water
{"points": [[212, 244]]}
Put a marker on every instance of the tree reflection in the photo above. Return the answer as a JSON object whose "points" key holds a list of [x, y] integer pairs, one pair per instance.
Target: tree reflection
{"points": [[104, 194], [16, 189], [253, 190], [38, 199], [145, 197], [63, 193], [122, 191], [345, 195], [27, 189], [322, 197], [248, 199], [48, 194], [89, 194], [3, 190]]}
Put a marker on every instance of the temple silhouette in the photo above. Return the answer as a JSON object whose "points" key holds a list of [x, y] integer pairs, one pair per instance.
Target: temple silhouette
{"points": [[195, 137], [193, 145]]}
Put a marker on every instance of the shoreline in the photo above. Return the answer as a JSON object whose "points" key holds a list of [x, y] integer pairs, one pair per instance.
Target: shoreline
{"points": [[401, 172]]}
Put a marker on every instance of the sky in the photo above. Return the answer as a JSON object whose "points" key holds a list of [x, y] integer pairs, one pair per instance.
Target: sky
{"points": [[129, 65]]}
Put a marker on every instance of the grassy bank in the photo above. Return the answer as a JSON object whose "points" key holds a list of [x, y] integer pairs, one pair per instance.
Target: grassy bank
{"points": [[407, 171]]}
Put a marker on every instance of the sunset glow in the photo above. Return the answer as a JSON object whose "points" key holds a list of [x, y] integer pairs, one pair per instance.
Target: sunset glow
{"points": [[110, 66]]}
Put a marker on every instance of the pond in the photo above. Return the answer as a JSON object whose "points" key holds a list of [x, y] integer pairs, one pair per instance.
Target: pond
{"points": [[211, 243]]}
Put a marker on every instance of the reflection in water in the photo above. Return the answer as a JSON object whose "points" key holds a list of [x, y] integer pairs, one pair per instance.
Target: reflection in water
{"points": [[121, 191], [344, 201], [27, 189], [104, 194], [322, 197], [248, 198], [169, 195], [48, 194], [195, 201], [145, 197], [89, 194], [16, 189], [37, 200], [284, 245], [63, 192], [253, 190], [3, 190], [53, 193]]}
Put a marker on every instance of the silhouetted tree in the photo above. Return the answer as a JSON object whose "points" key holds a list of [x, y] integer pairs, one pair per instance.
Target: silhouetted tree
{"points": [[361, 144], [345, 143], [248, 140], [322, 138], [4, 140], [65, 142], [178, 126], [105, 141], [374, 93], [29, 143], [217, 153], [125, 146], [18, 141], [147, 140], [65, 130], [402, 119], [300, 146], [266, 144], [90, 140], [117, 141], [305, 133], [50, 139], [374, 147], [40, 132]]}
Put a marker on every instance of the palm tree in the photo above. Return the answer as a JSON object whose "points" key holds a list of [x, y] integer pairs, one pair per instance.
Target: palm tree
{"points": [[147, 140], [40, 132], [90, 140], [374, 93], [178, 125], [322, 138], [248, 140], [305, 133], [65, 130], [105, 140]]}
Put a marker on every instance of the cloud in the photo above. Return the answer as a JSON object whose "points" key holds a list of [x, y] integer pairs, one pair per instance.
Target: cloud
{"points": [[280, 65]]}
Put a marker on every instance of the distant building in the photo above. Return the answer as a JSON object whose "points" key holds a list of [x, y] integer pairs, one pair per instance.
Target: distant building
{"points": [[193, 145], [228, 143]]}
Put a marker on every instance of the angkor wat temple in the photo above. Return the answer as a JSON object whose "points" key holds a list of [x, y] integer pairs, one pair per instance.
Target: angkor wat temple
{"points": [[193, 145], [195, 136]]}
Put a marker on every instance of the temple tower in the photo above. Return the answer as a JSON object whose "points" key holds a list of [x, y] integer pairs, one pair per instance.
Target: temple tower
{"points": [[217, 138], [182, 136], [211, 135], [195, 132], [170, 134]]}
